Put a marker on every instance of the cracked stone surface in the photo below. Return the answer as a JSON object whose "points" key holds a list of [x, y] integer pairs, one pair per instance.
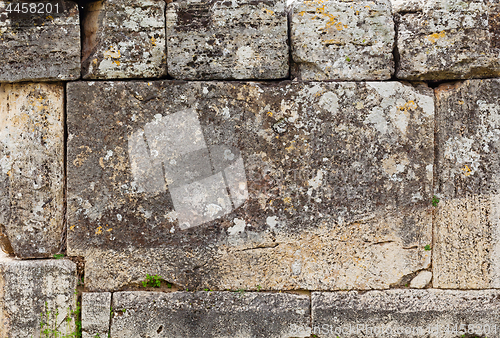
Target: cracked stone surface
{"points": [[448, 39], [41, 46], [467, 230], [234, 185], [342, 40], [124, 39], [29, 290], [96, 314], [406, 313], [31, 168], [227, 40], [210, 314]]}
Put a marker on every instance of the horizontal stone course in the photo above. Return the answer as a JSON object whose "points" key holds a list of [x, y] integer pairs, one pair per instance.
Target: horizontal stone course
{"points": [[44, 46], [406, 313], [342, 40], [210, 314], [444, 40], [230, 185], [32, 168], [124, 39], [227, 40]]}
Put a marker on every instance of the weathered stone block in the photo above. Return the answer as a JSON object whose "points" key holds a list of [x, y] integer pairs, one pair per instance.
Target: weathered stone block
{"points": [[406, 313], [37, 295], [234, 185], [467, 229], [124, 39], [342, 40], [448, 39], [96, 314], [32, 168], [39, 46], [210, 314], [227, 40]]}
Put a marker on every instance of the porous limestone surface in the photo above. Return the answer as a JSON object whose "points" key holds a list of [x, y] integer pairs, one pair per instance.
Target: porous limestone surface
{"points": [[227, 40], [41, 46], [31, 168], [96, 314], [406, 313], [36, 296], [229, 185], [124, 39], [467, 228], [448, 39], [210, 314], [342, 40]]}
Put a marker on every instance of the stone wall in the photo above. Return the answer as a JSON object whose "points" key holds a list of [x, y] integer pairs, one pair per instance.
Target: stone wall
{"points": [[187, 168]]}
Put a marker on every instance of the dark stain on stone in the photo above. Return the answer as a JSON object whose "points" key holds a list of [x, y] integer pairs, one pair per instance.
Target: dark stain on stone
{"points": [[194, 17], [494, 23]]}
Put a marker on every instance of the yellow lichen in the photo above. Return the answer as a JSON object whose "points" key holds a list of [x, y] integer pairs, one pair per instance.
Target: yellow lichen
{"points": [[466, 170], [410, 105], [435, 36], [268, 11]]}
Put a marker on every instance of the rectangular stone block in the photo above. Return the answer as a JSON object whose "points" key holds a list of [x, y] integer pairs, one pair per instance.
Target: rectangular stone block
{"points": [[228, 185], [448, 39], [210, 314], [40, 46], [342, 40], [32, 168], [124, 39], [96, 314], [37, 296], [406, 313], [227, 40], [467, 229]]}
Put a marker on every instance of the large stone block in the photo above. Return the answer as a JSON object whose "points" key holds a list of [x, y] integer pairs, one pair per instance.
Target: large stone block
{"points": [[124, 39], [234, 185], [342, 40], [39, 46], [227, 40], [210, 314], [32, 168], [36, 296], [448, 39], [406, 313], [96, 314], [467, 229]]}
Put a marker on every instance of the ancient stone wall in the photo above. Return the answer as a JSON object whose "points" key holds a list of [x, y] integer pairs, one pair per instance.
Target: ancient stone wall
{"points": [[195, 168]]}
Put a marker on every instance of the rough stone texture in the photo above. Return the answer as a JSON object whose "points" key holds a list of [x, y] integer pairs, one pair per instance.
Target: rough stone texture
{"points": [[467, 229], [124, 39], [31, 168], [29, 290], [40, 46], [342, 40], [448, 39], [297, 185], [210, 314], [421, 280], [406, 313], [96, 314], [220, 39]]}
